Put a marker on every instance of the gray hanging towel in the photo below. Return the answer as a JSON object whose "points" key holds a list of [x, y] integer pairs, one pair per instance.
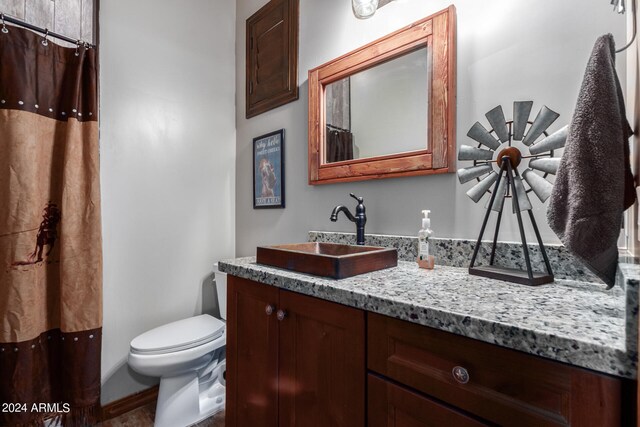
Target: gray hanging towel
{"points": [[594, 184]]}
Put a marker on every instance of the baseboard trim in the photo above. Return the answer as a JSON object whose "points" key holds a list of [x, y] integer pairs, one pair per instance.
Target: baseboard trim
{"points": [[129, 403]]}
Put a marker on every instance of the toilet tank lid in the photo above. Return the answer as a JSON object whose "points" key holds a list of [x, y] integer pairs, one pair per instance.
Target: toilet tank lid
{"points": [[179, 335]]}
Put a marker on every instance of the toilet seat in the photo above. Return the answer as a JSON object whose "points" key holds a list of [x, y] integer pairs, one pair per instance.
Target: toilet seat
{"points": [[178, 336]]}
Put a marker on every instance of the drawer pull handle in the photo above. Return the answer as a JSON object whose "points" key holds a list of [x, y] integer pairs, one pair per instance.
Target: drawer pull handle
{"points": [[281, 314], [460, 374], [269, 309]]}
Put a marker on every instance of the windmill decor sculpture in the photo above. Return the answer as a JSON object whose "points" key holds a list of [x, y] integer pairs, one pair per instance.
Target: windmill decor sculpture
{"points": [[508, 139]]}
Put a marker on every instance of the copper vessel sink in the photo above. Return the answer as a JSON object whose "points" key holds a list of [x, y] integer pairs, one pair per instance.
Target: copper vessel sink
{"points": [[333, 260]]}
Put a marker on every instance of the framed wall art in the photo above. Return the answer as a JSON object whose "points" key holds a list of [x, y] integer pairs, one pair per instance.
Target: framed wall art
{"points": [[268, 170]]}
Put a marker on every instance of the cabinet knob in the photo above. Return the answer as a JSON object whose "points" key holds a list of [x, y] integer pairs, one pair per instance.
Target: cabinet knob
{"points": [[269, 309], [460, 374], [281, 314]]}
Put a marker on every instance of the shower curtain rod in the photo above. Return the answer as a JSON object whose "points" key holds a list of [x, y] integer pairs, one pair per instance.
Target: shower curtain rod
{"points": [[45, 31]]}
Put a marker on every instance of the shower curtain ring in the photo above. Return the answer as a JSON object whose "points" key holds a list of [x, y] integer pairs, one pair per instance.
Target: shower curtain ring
{"points": [[45, 42], [78, 47], [4, 26]]}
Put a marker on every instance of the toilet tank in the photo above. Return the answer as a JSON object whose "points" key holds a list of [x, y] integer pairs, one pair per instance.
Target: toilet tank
{"points": [[221, 290]]}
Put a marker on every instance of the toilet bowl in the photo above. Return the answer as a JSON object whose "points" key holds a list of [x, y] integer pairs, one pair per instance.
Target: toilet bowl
{"points": [[188, 356]]}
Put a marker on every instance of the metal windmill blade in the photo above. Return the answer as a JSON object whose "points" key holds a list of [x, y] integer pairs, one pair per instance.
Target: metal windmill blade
{"points": [[521, 112], [540, 186], [499, 123], [467, 152], [480, 134], [523, 200], [498, 202], [543, 120], [549, 165], [552, 142], [477, 191], [467, 174]]}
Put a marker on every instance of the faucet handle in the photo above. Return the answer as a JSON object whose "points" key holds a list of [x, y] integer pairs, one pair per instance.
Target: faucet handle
{"points": [[359, 199]]}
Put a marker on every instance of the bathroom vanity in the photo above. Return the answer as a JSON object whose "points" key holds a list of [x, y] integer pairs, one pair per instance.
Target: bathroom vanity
{"points": [[410, 347]]}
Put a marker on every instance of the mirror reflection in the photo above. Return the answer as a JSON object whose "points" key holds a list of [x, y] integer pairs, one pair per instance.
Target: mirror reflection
{"points": [[380, 111]]}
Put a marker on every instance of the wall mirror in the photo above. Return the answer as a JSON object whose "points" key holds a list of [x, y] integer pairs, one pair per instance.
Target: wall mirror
{"points": [[386, 109]]}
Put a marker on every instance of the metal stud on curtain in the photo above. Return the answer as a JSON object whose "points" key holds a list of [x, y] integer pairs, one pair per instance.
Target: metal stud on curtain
{"points": [[50, 238]]}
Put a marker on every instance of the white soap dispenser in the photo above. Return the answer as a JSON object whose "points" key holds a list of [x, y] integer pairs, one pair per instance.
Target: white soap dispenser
{"points": [[425, 259]]}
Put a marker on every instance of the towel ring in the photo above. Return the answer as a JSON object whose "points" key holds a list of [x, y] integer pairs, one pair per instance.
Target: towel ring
{"points": [[635, 28]]}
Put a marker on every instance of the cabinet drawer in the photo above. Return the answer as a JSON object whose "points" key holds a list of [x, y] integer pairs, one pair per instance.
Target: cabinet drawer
{"points": [[393, 406], [503, 385]]}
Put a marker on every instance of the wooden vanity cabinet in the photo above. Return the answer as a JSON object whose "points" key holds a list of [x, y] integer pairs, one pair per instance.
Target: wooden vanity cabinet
{"points": [[299, 361], [292, 360]]}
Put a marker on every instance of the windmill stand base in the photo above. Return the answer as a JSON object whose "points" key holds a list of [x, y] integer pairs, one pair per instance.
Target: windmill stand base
{"points": [[509, 164], [511, 275]]}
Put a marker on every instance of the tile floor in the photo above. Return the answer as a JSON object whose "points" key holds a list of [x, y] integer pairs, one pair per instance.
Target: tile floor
{"points": [[143, 417]]}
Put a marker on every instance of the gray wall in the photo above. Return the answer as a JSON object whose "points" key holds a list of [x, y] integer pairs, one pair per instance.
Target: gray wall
{"points": [[167, 167], [507, 50]]}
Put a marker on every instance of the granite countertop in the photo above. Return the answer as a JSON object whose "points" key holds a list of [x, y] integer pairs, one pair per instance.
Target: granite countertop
{"points": [[579, 323]]}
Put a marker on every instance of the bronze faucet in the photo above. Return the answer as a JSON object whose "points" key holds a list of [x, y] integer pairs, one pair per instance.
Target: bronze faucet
{"points": [[360, 218]]}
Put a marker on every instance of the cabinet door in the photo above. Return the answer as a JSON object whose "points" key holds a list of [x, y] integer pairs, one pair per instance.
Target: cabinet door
{"points": [[393, 406], [252, 354], [322, 363]]}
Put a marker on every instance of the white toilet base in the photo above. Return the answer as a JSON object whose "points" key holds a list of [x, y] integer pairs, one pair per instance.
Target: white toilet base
{"points": [[181, 403]]}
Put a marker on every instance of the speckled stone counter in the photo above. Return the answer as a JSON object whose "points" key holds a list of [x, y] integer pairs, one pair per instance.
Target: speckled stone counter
{"points": [[574, 322], [457, 252]]}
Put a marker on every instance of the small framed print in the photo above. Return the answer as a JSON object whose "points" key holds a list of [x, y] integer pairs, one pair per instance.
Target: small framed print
{"points": [[268, 170]]}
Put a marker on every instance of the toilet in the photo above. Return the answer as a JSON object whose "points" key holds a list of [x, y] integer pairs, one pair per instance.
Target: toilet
{"points": [[189, 357]]}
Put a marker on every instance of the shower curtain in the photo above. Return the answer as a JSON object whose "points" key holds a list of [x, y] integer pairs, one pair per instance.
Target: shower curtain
{"points": [[50, 240], [339, 144]]}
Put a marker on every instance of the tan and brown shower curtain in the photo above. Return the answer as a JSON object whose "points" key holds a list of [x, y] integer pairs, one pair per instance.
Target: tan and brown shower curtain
{"points": [[50, 241]]}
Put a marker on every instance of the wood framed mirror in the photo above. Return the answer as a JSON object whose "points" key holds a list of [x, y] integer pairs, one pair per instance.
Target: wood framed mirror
{"points": [[388, 108]]}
